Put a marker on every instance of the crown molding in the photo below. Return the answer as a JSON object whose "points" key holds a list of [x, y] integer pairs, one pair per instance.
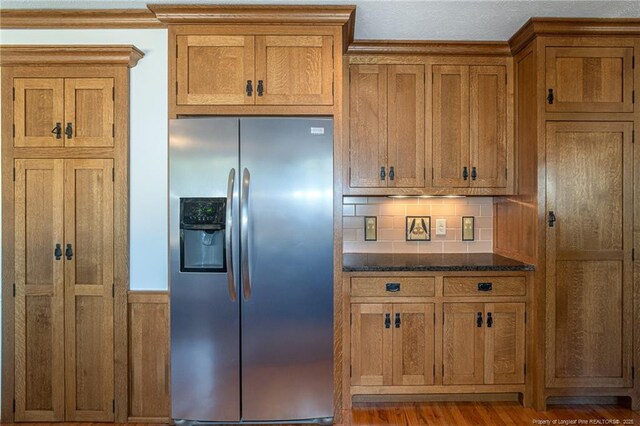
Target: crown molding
{"points": [[47, 55], [415, 47], [575, 27], [252, 14], [78, 18]]}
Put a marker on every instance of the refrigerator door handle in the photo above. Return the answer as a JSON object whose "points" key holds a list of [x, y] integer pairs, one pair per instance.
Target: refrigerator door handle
{"points": [[228, 236], [244, 231]]}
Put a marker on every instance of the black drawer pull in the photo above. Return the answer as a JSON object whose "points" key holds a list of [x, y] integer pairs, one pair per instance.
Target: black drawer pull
{"points": [[485, 286], [392, 287], [387, 320]]}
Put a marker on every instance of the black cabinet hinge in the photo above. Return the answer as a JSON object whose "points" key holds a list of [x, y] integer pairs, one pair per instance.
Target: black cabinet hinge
{"points": [[633, 254], [113, 290], [14, 289], [14, 405], [113, 405]]}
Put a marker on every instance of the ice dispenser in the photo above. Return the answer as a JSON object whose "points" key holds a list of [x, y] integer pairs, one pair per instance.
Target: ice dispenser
{"points": [[202, 227]]}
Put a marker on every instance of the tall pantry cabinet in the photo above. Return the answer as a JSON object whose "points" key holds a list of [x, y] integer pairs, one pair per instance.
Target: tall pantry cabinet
{"points": [[577, 121], [65, 200]]}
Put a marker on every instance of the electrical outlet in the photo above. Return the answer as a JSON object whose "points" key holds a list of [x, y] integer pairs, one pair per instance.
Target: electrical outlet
{"points": [[441, 226]]}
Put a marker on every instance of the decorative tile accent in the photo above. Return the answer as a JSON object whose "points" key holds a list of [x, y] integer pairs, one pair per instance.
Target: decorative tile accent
{"points": [[391, 213]]}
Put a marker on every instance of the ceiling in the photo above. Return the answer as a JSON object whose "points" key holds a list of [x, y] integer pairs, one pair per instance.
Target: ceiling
{"points": [[412, 19]]}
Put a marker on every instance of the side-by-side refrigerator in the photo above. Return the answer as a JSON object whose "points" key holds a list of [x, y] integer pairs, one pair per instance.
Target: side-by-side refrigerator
{"points": [[251, 269]]}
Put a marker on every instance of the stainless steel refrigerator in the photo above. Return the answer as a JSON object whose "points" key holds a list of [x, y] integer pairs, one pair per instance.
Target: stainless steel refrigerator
{"points": [[251, 269]]}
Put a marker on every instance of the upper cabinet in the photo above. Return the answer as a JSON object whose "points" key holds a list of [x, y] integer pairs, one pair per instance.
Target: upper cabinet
{"points": [[64, 112], [219, 69], [589, 79], [469, 126], [386, 138]]}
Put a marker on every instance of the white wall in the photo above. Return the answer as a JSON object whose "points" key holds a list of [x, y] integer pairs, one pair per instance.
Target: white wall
{"points": [[148, 143]]}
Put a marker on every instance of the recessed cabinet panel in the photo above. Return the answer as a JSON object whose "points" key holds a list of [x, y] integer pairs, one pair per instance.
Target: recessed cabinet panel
{"points": [[88, 290], [215, 70], [451, 126], [589, 79], [463, 344], [589, 260], [413, 344], [39, 322], [405, 152], [294, 70], [368, 126], [504, 343], [38, 112], [371, 344], [488, 132], [88, 112]]}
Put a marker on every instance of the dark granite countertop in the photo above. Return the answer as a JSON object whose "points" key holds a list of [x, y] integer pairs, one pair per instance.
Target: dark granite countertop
{"points": [[387, 262]]}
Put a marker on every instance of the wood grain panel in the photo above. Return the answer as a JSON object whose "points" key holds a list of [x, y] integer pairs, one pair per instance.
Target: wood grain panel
{"points": [[500, 286], [230, 58], [504, 356], [406, 286], [589, 267], [371, 345], [149, 355], [294, 70], [39, 321], [463, 344], [450, 125], [590, 79], [89, 283], [405, 133], [88, 108], [488, 126], [38, 107], [367, 125], [413, 344]]}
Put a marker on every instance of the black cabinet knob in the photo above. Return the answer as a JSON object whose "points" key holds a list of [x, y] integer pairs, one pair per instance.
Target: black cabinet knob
{"points": [[387, 320], [479, 319], [397, 320], [69, 252], [465, 173], [57, 252], [249, 88]]}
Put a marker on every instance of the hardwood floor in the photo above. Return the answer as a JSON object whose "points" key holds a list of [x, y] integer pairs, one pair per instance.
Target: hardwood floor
{"points": [[487, 413], [464, 414]]}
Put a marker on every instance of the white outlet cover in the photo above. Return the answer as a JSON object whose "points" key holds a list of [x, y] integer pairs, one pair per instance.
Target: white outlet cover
{"points": [[441, 226]]}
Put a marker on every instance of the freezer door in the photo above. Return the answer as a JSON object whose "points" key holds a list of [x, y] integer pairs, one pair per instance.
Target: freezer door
{"points": [[287, 296], [205, 321]]}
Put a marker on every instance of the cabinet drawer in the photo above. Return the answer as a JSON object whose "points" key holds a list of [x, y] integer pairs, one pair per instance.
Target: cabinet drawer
{"points": [[484, 286], [392, 286]]}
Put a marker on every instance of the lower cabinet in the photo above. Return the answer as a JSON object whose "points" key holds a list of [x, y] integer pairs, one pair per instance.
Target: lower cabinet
{"points": [[483, 343], [458, 333], [392, 344]]}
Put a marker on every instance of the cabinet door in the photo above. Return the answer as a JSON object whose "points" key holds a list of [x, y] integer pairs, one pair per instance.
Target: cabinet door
{"points": [[589, 261], [463, 344], [504, 343], [368, 126], [39, 321], [38, 112], [294, 70], [589, 79], [488, 126], [88, 221], [413, 344], [406, 142], [371, 344], [451, 126], [215, 69], [88, 112]]}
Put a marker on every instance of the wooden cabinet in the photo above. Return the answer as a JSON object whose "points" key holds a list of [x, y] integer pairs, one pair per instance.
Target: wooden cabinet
{"points": [[247, 69], [64, 278], [469, 139], [483, 343], [589, 79], [589, 268], [69, 112], [387, 121], [392, 344]]}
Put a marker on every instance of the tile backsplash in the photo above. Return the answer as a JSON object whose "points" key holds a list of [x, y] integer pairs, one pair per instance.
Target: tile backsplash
{"points": [[391, 213]]}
